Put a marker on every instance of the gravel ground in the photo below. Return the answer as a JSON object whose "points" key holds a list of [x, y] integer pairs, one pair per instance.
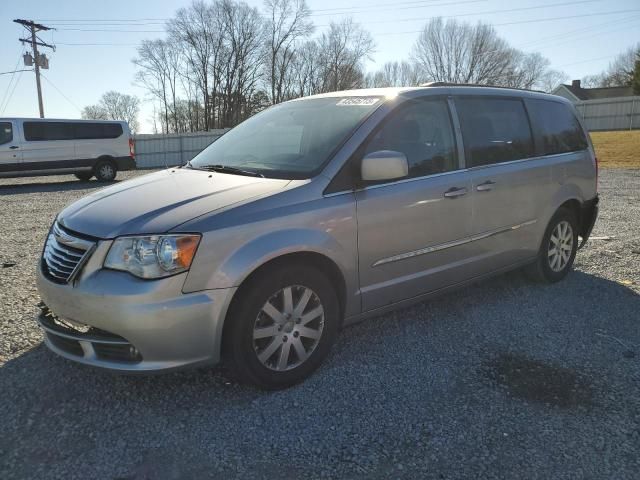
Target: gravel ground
{"points": [[505, 379]]}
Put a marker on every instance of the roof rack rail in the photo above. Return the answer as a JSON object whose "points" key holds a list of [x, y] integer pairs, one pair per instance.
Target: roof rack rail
{"points": [[451, 84]]}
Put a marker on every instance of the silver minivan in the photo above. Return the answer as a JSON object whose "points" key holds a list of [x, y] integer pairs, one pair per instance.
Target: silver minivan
{"points": [[311, 215]]}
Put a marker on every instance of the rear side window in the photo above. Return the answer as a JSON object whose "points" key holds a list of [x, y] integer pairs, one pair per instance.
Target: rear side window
{"points": [[42, 131], [558, 127], [85, 130], [6, 132], [494, 130]]}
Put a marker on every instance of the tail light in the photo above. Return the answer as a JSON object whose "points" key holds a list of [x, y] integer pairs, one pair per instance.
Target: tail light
{"points": [[132, 152], [596, 164]]}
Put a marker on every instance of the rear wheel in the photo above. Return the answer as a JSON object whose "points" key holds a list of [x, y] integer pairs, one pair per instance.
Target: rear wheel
{"points": [[282, 327], [84, 176], [105, 171], [558, 249]]}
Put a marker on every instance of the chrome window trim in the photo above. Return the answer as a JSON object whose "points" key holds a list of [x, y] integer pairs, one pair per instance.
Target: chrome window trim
{"points": [[454, 243], [521, 160]]}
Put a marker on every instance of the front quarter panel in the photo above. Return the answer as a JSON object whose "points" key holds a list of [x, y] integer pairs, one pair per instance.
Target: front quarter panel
{"points": [[237, 242]]}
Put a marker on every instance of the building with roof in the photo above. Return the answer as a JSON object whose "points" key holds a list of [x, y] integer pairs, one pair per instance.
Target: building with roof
{"points": [[576, 93], [603, 108]]}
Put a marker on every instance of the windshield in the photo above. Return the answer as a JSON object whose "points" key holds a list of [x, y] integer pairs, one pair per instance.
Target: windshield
{"points": [[291, 140]]}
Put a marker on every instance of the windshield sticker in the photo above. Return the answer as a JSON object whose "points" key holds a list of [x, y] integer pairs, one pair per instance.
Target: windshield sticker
{"points": [[359, 101]]}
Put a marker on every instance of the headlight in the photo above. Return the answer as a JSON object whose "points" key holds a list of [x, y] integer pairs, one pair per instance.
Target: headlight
{"points": [[153, 256]]}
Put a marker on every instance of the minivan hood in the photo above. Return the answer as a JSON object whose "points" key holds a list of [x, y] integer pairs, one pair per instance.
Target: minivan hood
{"points": [[160, 201]]}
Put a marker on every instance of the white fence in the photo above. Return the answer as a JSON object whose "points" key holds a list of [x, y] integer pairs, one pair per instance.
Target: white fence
{"points": [[622, 113], [170, 150]]}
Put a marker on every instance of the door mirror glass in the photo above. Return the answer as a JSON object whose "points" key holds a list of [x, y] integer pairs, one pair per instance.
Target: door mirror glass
{"points": [[384, 165]]}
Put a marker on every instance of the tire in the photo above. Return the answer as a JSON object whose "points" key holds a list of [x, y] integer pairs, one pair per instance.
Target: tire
{"points": [[263, 348], [553, 264], [84, 176], [105, 171]]}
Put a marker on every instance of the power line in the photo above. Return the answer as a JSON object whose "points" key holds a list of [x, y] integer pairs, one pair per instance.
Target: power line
{"points": [[354, 10], [584, 61], [11, 94], [586, 32], [15, 69], [490, 12], [62, 94], [538, 20]]}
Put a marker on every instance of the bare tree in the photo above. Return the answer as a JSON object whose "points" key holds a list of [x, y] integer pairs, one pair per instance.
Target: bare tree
{"points": [[199, 30], [307, 71], [619, 72], [243, 32], [459, 52], [551, 79], [343, 50], [115, 106], [593, 81], [160, 65], [94, 112], [287, 23], [394, 74]]}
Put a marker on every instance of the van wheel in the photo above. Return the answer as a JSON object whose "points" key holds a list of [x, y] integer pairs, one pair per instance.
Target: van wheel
{"points": [[84, 176], [282, 327], [105, 171], [558, 249]]}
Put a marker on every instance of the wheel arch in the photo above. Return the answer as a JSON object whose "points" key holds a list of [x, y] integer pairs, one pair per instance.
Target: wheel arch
{"points": [[309, 258], [314, 259], [103, 157]]}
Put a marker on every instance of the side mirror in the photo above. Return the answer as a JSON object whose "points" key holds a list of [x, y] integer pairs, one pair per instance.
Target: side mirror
{"points": [[384, 165]]}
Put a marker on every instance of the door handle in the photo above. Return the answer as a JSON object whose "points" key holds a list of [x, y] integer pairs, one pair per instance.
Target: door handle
{"points": [[13, 147], [486, 186], [455, 192]]}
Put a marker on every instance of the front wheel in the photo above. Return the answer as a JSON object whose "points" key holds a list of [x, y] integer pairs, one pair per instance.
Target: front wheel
{"points": [[282, 327], [558, 249]]}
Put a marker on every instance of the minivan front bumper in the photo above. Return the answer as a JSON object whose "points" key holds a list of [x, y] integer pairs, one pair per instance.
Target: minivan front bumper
{"points": [[113, 320]]}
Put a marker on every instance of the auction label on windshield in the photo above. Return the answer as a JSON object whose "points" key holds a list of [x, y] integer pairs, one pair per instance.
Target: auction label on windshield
{"points": [[361, 101]]}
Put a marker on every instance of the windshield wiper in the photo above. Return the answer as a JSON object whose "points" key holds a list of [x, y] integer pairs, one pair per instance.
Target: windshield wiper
{"points": [[231, 170]]}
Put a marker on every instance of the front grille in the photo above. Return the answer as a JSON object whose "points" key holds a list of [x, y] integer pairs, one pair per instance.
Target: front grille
{"points": [[64, 254]]}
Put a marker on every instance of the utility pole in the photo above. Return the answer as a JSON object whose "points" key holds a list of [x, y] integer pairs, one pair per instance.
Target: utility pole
{"points": [[38, 60]]}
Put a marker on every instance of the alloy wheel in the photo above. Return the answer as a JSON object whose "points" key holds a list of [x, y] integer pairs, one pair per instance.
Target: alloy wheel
{"points": [[560, 246], [288, 328]]}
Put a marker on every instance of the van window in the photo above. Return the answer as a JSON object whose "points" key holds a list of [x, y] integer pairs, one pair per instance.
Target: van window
{"points": [[42, 131], [557, 126], [6, 132], [86, 130], [494, 130], [422, 131]]}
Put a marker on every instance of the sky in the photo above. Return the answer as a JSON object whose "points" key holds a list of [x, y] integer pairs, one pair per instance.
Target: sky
{"points": [[578, 37]]}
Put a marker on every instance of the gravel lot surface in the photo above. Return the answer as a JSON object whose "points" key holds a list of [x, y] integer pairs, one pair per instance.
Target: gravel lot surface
{"points": [[505, 379]]}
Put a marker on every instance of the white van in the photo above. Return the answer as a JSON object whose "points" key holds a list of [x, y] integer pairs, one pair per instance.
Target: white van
{"points": [[85, 148]]}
